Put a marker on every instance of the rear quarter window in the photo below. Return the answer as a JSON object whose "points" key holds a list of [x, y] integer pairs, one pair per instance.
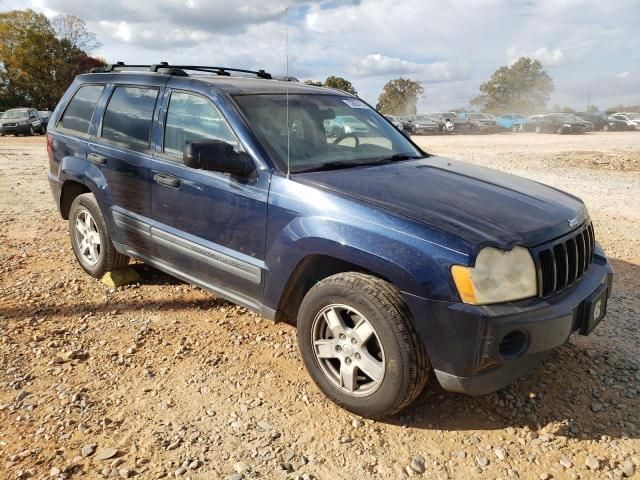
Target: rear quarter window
{"points": [[129, 115], [77, 115]]}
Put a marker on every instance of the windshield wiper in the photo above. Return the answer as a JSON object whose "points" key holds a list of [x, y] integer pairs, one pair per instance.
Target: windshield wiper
{"points": [[398, 157], [337, 165]]}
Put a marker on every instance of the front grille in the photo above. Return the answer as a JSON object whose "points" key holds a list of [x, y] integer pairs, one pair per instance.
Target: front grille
{"points": [[563, 262]]}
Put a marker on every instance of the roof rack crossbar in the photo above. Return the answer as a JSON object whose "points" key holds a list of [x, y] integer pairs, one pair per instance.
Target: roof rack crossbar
{"points": [[175, 69]]}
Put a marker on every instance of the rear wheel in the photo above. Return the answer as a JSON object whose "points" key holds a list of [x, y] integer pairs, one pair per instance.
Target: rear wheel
{"points": [[358, 342], [90, 239]]}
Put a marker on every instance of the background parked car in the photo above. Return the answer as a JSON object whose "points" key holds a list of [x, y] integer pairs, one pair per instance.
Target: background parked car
{"points": [[615, 124], [395, 121], [599, 119], [481, 122], [422, 124], [588, 126], [559, 123], [44, 116], [632, 119], [407, 123], [452, 122], [21, 121], [401, 123], [513, 121]]}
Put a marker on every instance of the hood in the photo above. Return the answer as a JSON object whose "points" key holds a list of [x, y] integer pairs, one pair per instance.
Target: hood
{"points": [[14, 119], [479, 205]]}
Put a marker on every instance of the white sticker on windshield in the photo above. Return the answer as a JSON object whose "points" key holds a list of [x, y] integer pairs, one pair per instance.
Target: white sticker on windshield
{"points": [[355, 103]]}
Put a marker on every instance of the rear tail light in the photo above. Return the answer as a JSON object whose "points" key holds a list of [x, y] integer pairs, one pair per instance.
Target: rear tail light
{"points": [[50, 146]]}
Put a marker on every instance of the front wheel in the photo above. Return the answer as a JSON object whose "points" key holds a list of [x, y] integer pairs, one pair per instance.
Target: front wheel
{"points": [[359, 344], [90, 239]]}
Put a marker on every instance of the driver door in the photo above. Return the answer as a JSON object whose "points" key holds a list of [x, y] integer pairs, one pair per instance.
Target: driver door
{"points": [[208, 226]]}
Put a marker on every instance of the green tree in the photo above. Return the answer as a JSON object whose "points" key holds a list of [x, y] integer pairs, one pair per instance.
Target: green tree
{"points": [[523, 87], [400, 97], [36, 67], [340, 84]]}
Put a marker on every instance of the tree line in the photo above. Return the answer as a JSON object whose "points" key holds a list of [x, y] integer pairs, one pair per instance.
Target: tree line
{"points": [[39, 57]]}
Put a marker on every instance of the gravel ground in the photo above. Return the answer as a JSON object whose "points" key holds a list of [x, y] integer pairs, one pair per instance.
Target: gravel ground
{"points": [[160, 379]]}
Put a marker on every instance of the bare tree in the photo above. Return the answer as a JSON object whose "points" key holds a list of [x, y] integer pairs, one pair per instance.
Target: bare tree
{"points": [[75, 31]]}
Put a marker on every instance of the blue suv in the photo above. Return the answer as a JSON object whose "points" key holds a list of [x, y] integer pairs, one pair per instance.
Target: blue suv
{"points": [[391, 262]]}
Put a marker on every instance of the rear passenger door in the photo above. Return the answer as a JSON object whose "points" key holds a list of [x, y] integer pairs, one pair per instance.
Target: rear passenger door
{"points": [[208, 226], [120, 155]]}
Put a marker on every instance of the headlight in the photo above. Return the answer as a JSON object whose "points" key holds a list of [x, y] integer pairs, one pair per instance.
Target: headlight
{"points": [[497, 276]]}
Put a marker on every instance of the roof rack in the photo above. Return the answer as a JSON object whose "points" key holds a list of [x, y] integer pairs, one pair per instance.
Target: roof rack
{"points": [[179, 70]]}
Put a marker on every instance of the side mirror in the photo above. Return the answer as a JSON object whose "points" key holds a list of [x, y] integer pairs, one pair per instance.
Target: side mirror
{"points": [[216, 156]]}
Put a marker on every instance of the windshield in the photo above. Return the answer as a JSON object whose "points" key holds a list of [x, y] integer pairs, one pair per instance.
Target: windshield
{"points": [[15, 114], [325, 131], [634, 116]]}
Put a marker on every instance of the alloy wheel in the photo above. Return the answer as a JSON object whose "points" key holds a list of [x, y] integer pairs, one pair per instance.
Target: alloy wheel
{"points": [[87, 237], [348, 350]]}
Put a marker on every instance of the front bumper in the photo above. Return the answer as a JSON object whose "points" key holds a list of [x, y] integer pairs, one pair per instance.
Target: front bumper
{"points": [[463, 341], [421, 129], [14, 129]]}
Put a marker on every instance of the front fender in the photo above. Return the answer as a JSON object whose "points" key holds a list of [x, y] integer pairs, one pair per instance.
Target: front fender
{"points": [[414, 257]]}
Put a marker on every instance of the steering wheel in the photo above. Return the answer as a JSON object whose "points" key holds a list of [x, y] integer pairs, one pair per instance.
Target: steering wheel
{"points": [[347, 135]]}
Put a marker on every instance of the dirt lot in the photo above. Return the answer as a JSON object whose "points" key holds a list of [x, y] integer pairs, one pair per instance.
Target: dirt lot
{"points": [[166, 380]]}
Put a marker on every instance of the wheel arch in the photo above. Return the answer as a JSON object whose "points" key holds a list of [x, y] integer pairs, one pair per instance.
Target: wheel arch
{"points": [[310, 270], [69, 191]]}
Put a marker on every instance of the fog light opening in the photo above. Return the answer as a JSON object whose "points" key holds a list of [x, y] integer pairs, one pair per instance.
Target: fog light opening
{"points": [[513, 344]]}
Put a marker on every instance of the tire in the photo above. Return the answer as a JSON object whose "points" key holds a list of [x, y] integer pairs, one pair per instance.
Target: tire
{"points": [[32, 132], [101, 256], [394, 346]]}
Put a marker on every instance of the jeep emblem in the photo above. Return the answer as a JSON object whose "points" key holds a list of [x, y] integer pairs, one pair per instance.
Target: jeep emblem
{"points": [[573, 222]]}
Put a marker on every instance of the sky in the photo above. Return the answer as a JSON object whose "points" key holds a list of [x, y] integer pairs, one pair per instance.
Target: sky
{"points": [[591, 49]]}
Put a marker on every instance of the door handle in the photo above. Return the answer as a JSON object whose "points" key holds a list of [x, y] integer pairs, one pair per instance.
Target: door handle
{"points": [[166, 180], [97, 159]]}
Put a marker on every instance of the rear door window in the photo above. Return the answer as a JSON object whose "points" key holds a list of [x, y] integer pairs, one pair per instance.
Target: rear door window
{"points": [[129, 115], [77, 116]]}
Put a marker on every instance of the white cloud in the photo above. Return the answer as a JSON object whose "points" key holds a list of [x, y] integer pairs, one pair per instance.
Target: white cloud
{"points": [[548, 57], [381, 65], [451, 46]]}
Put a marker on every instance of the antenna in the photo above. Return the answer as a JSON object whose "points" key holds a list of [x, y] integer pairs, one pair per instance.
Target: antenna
{"points": [[286, 88]]}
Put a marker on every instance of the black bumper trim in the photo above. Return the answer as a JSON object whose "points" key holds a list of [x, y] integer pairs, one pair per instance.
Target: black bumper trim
{"points": [[494, 379]]}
